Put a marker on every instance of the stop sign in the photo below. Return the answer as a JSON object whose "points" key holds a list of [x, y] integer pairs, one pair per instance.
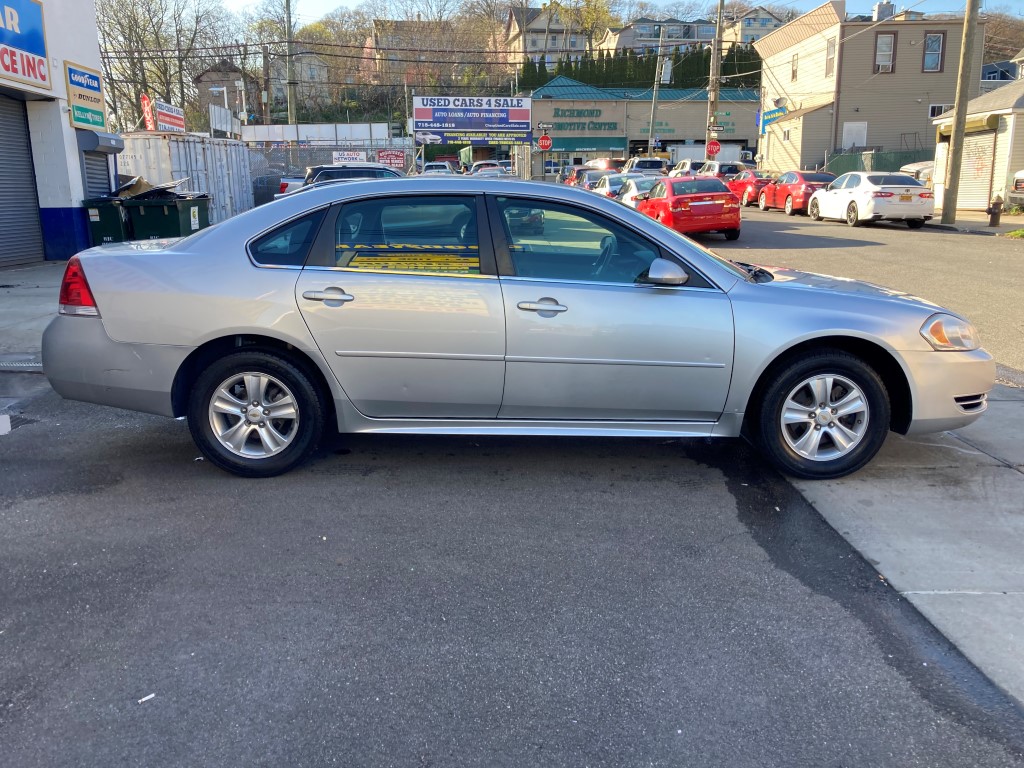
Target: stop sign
{"points": [[713, 148], [544, 142]]}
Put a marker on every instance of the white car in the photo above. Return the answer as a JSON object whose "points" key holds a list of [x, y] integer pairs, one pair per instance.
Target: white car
{"points": [[633, 187], [874, 196], [425, 137], [686, 167], [611, 185]]}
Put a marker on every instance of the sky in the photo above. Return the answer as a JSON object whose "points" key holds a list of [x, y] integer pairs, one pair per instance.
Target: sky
{"points": [[311, 10]]}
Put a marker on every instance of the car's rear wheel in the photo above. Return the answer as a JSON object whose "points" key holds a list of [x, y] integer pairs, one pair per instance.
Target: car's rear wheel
{"points": [[823, 416], [762, 201], [731, 234], [814, 210], [915, 223], [255, 414], [852, 215], [789, 206]]}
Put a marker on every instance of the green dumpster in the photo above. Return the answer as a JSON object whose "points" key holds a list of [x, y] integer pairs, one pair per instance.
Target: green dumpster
{"points": [[157, 217], [107, 222]]}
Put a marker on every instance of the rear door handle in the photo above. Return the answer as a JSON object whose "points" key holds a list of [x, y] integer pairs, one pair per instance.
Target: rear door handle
{"points": [[541, 306], [329, 294]]}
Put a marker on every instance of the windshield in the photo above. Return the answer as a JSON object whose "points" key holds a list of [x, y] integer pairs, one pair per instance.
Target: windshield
{"points": [[894, 180]]}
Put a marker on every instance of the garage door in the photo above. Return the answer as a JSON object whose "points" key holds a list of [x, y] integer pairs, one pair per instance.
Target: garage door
{"points": [[976, 170], [21, 240]]}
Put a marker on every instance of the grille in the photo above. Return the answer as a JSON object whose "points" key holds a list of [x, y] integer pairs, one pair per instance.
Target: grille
{"points": [[971, 403]]}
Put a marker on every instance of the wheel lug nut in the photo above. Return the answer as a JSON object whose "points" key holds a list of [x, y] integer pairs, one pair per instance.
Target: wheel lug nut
{"points": [[831, 424], [266, 411], [833, 410], [817, 426]]}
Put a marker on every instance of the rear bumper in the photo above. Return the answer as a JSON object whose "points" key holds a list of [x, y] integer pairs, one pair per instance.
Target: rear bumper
{"points": [[716, 223], [957, 384], [882, 211], [83, 363]]}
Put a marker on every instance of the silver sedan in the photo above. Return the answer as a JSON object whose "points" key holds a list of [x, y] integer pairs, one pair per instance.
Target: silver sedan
{"points": [[419, 306]]}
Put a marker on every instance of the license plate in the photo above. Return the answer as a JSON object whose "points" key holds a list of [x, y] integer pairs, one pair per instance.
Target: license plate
{"points": [[906, 198]]}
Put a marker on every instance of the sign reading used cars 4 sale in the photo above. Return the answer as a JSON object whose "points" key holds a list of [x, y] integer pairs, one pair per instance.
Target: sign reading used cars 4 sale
{"points": [[86, 105], [23, 43], [472, 120]]}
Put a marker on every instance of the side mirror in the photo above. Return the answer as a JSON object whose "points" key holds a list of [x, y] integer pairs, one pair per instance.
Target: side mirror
{"points": [[665, 272], [643, 196]]}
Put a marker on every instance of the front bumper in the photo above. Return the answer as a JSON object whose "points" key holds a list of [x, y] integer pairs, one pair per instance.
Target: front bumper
{"points": [[83, 363], [949, 389]]}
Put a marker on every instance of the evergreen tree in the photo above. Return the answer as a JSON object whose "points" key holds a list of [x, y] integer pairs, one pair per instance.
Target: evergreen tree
{"points": [[542, 71], [528, 76]]}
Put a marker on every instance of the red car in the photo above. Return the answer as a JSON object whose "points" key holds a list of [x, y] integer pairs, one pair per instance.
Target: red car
{"points": [[693, 204], [792, 191], [747, 186]]}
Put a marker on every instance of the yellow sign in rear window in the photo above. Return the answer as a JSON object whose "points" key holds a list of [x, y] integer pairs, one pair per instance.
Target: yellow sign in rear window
{"points": [[409, 257]]}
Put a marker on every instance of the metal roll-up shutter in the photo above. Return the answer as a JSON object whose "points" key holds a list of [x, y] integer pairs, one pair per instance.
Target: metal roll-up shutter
{"points": [[976, 170], [97, 174], [21, 238]]}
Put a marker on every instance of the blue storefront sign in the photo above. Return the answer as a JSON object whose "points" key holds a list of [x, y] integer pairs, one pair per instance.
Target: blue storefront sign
{"points": [[23, 43], [480, 120], [770, 116]]}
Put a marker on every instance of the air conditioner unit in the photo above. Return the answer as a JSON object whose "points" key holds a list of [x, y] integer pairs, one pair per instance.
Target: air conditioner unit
{"points": [[883, 67]]}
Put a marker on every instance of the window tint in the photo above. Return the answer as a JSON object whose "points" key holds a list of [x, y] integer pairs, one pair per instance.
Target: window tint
{"points": [[894, 180], [409, 234], [852, 182], [658, 190], [288, 245], [730, 170], [576, 244], [698, 186], [819, 178], [840, 182]]}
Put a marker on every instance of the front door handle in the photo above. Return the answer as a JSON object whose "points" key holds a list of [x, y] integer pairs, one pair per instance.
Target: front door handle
{"points": [[328, 294], [542, 306]]}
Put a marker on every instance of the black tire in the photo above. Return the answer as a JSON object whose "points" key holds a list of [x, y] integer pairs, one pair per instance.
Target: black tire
{"points": [[852, 215], [768, 432], [745, 200], [790, 211], [814, 210], [303, 433], [762, 201], [915, 223], [731, 234]]}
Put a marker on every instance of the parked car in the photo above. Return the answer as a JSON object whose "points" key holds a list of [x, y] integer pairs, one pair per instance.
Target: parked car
{"points": [[792, 191], [611, 185], [747, 185], [320, 173], [525, 219], [691, 204], [720, 170], [921, 171], [862, 196], [607, 163], [633, 187], [686, 167], [567, 172], [590, 177], [479, 165], [1015, 194], [576, 175], [293, 320], [442, 166], [506, 165], [649, 166]]}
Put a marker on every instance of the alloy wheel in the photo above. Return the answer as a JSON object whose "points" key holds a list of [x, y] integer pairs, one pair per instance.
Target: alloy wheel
{"points": [[824, 417], [253, 415]]}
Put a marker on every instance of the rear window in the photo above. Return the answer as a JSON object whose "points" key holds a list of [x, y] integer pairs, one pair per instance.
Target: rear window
{"points": [[649, 164], [894, 180], [730, 169], [698, 187], [819, 178]]}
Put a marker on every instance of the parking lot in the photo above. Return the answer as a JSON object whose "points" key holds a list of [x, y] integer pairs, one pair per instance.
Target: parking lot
{"points": [[484, 601]]}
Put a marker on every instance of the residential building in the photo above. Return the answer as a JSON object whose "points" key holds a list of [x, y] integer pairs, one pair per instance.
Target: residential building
{"points": [[1018, 61], [313, 87], [218, 85], [643, 35], [541, 33], [749, 27], [831, 84]]}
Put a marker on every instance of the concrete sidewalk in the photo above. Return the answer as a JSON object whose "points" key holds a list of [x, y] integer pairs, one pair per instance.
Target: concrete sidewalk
{"points": [[941, 516], [976, 222]]}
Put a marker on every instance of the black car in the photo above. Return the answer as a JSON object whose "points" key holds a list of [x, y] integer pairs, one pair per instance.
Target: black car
{"points": [[350, 171]]}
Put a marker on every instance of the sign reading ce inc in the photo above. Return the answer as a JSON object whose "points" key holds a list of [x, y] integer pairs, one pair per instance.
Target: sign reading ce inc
{"points": [[23, 43]]}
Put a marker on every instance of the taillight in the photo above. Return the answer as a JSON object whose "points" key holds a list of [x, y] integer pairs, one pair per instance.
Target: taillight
{"points": [[284, 188], [731, 202], [75, 295], [679, 206], [926, 196], [882, 194]]}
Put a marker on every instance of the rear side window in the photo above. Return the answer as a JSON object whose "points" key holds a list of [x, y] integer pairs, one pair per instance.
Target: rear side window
{"points": [[289, 244], [819, 178], [698, 187], [894, 180]]}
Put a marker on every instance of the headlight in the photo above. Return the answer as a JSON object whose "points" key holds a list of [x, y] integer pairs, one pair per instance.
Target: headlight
{"points": [[950, 334]]}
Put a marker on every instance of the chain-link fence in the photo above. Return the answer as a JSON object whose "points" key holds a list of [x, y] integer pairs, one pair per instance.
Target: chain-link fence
{"points": [[876, 161]]}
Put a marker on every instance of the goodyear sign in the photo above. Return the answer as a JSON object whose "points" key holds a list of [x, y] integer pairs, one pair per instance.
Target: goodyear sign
{"points": [[23, 43], [87, 106]]}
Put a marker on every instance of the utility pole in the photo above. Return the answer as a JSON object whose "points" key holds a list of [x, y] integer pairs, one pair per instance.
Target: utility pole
{"points": [[956, 139], [714, 81], [291, 62], [265, 93], [654, 98]]}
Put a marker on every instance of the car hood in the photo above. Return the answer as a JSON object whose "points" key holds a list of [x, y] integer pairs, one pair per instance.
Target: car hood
{"points": [[794, 279]]}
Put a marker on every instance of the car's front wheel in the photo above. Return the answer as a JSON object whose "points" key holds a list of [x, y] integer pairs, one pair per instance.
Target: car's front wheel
{"points": [[814, 210], [255, 414], [852, 215], [745, 202], [762, 201], [823, 416], [789, 206]]}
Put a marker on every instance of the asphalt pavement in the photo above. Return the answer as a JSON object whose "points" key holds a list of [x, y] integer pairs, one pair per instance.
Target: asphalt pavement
{"points": [[938, 520]]}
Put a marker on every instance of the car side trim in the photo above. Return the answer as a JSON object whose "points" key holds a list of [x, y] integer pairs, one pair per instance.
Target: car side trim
{"points": [[607, 361], [417, 355]]}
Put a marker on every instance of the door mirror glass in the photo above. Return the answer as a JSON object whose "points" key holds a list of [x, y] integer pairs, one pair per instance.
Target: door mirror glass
{"points": [[665, 272], [642, 196]]}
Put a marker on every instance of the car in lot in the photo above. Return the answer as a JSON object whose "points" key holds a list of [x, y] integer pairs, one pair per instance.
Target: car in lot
{"points": [[481, 165], [1015, 193], [792, 191], [691, 204], [316, 174], [632, 188], [611, 185], [590, 177], [747, 185], [525, 219], [649, 166], [426, 137], [411, 306], [575, 177], [720, 170], [686, 167], [438, 166], [567, 172], [861, 196], [607, 163]]}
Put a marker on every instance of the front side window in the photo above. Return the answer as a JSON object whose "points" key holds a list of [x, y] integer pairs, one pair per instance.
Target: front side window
{"points": [[853, 182], [840, 182], [575, 245], [289, 244], [934, 50], [885, 52], [435, 235], [658, 190]]}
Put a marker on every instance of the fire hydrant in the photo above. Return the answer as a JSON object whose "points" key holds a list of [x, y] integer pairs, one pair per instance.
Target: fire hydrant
{"points": [[995, 211]]}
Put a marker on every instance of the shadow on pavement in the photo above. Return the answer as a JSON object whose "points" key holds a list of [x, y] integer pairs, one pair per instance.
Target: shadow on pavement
{"points": [[781, 233]]}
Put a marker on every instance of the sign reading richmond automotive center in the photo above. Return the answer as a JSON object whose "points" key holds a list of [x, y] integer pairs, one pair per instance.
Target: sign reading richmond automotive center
{"points": [[86, 106], [23, 43], [472, 120]]}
